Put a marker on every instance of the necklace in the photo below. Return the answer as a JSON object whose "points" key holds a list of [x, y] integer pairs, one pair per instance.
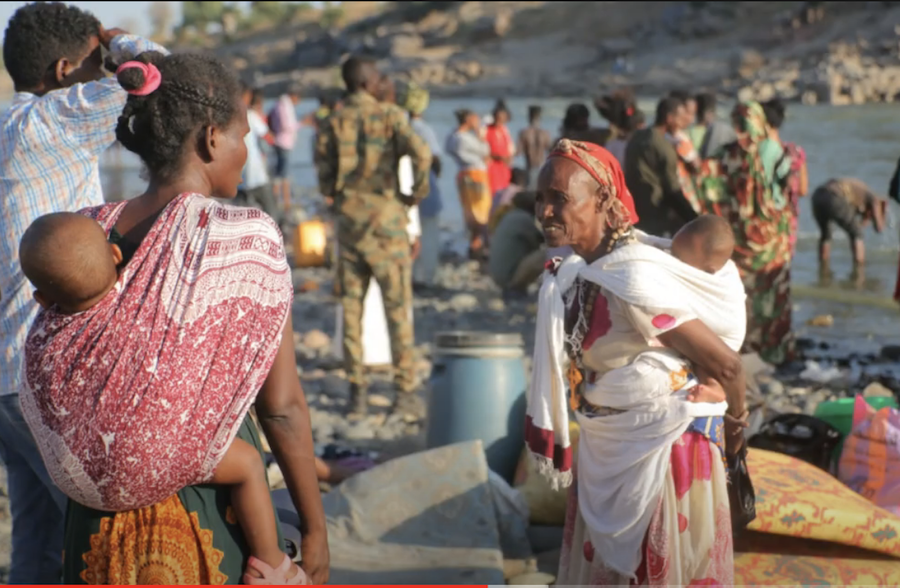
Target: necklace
{"points": [[583, 294]]}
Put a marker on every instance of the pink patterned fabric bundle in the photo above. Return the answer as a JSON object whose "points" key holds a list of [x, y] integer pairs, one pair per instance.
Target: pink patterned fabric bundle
{"points": [[141, 395], [870, 460]]}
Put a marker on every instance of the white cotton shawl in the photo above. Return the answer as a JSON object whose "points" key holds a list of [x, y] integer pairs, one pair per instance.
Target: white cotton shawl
{"points": [[623, 458]]}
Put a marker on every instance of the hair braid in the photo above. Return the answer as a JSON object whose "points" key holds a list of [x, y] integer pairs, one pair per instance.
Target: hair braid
{"points": [[197, 91]]}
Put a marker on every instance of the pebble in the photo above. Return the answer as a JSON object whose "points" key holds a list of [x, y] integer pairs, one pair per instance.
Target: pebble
{"points": [[379, 401], [464, 302], [876, 389], [316, 340], [497, 305], [359, 431], [772, 387], [823, 320]]}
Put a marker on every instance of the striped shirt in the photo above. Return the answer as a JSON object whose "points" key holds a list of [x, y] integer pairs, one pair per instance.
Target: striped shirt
{"points": [[50, 148]]}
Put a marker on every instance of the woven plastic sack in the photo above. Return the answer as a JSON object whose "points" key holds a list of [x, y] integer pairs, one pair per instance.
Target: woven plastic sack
{"points": [[870, 460]]}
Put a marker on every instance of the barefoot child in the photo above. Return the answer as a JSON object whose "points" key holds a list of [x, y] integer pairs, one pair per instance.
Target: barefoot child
{"points": [[162, 315]]}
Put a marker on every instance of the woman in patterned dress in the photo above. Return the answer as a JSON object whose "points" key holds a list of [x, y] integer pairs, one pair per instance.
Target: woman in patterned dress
{"points": [[754, 168], [583, 203]]}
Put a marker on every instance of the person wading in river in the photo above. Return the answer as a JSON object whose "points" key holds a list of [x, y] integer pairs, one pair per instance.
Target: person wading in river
{"points": [[850, 204], [534, 142]]}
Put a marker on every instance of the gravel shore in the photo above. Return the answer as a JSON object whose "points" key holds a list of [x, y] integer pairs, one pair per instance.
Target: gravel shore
{"points": [[465, 299]]}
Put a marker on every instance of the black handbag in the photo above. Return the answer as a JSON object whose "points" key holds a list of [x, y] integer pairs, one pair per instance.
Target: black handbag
{"points": [[801, 436], [741, 496]]}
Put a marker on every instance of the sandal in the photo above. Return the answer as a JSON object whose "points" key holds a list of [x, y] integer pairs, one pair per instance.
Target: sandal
{"points": [[273, 576]]}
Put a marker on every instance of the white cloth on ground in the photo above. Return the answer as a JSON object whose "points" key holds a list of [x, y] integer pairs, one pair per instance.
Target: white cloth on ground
{"points": [[426, 265], [623, 458]]}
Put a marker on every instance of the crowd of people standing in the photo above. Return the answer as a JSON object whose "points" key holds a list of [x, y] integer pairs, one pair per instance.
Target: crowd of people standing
{"points": [[113, 370]]}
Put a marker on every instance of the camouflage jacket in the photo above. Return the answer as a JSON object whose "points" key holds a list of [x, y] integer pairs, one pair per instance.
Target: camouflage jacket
{"points": [[358, 151]]}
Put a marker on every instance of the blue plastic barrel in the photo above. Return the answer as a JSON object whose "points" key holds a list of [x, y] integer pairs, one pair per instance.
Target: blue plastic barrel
{"points": [[478, 392]]}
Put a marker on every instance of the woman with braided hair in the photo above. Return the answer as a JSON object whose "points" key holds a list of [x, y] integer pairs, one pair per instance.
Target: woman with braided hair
{"points": [[141, 400]]}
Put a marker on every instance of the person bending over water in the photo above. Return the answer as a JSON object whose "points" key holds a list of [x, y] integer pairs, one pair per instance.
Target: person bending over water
{"points": [[850, 204], [72, 266], [138, 381]]}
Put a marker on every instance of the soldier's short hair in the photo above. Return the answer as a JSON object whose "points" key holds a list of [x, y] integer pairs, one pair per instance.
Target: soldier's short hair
{"points": [[357, 71]]}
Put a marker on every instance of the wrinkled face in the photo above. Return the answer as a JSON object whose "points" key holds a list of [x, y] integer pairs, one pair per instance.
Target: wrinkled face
{"points": [[87, 67], [229, 152], [568, 206]]}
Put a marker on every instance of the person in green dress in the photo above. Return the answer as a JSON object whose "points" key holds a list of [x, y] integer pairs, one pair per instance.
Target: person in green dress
{"points": [[753, 169]]}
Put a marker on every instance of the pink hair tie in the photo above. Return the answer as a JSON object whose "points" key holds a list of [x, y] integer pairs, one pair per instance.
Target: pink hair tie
{"points": [[152, 77]]}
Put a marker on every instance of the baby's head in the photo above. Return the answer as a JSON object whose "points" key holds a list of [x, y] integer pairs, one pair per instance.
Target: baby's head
{"points": [[68, 260], [705, 243]]}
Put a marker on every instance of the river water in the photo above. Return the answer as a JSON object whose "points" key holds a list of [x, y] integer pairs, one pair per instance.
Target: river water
{"points": [[856, 141]]}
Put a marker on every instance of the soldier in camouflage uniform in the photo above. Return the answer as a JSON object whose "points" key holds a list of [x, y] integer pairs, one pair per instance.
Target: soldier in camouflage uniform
{"points": [[358, 152]]}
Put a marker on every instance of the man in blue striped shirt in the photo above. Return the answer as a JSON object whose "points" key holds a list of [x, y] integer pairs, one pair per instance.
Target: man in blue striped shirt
{"points": [[63, 116]]}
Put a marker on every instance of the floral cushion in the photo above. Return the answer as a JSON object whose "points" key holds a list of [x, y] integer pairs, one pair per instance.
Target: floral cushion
{"points": [[767, 569], [797, 499]]}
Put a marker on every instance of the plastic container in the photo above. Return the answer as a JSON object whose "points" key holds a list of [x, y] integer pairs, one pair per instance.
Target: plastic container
{"points": [[478, 388], [839, 413]]}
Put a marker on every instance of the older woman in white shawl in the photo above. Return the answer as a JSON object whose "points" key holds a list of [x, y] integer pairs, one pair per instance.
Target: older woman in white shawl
{"points": [[649, 500]]}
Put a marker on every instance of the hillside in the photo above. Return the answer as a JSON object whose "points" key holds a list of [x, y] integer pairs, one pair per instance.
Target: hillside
{"points": [[839, 52], [827, 52]]}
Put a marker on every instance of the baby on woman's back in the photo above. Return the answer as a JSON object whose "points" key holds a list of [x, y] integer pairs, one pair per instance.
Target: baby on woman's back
{"points": [[706, 244]]}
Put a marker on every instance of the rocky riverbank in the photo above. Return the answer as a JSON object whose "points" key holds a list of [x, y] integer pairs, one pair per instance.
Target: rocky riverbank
{"points": [[835, 53], [465, 299]]}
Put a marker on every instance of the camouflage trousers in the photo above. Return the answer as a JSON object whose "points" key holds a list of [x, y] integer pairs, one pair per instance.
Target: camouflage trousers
{"points": [[393, 273]]}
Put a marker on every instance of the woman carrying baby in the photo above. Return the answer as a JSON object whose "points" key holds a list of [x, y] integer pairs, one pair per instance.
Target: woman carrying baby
{"points": [[618, 326], [140, 396]]}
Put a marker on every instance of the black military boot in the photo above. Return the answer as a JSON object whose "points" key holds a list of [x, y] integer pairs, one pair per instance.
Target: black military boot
{"points": [[359, 401]]}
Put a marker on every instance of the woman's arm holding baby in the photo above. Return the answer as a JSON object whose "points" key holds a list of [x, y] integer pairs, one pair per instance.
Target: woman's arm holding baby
{"points": [[284, 416], [716, 361]]}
